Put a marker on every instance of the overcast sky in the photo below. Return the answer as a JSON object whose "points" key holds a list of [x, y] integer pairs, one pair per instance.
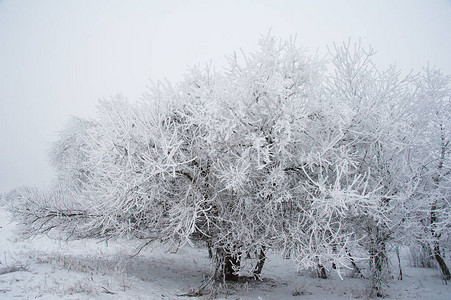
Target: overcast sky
{"points": [[57, 58]]}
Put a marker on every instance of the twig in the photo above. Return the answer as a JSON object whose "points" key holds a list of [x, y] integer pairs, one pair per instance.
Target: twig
{"points": [[106, 291]]}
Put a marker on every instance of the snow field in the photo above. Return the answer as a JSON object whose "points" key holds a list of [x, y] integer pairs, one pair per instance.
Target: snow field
{"points": [[49, 269]]}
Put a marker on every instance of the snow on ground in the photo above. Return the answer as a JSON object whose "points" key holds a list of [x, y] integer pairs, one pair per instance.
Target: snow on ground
{"points": [[49, 269]]}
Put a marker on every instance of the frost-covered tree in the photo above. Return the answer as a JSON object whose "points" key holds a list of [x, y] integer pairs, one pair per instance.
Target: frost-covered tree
{"points": [[276, 152], [41, 210], [241, 128], [68, 153], [432, 157], [375, 112]]}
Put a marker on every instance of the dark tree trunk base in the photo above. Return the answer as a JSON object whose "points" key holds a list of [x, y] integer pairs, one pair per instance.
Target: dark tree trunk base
{"points": [[322, 272], [354, 265], [226, 265], [399, 263], [229, 271], [261, 261], [377, 262], [441, 262]]}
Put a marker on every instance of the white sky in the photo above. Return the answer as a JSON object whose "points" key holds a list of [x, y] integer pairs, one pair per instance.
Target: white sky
{"points": [[57, 58]]}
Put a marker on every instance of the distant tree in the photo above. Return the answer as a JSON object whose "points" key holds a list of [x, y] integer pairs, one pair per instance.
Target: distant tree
{"points": [[68, 153]]}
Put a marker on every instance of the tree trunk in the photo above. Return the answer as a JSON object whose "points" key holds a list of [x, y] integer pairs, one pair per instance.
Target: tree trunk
{"points": [[210, 249], [437, 252], [354, 265], [399, 263], [322, 272], [441, 262], [229, 268], [261, 261], [226, 265], [378, 260], [434, 218]]}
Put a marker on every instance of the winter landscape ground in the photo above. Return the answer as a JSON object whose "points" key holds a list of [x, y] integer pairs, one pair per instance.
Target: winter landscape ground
{"points": [[47, 269]]}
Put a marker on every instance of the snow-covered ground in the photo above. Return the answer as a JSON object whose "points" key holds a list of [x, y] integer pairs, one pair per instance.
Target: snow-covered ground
{"points": [[49, 269]]}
